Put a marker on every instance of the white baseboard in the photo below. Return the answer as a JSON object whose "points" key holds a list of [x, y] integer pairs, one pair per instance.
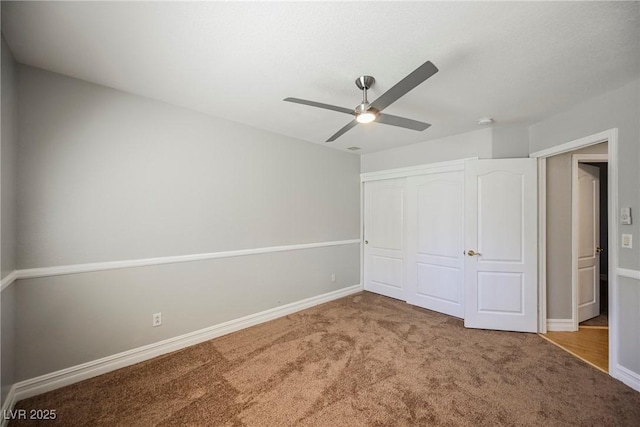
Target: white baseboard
{"points": [[627, 376], [560, 325], [74, 374]]}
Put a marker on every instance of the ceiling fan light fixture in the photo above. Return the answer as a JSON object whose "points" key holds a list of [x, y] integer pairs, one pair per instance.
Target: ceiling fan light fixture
{"points": [[364, 113], [366, 117]]}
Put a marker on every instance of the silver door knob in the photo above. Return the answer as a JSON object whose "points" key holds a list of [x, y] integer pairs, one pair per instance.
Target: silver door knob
{"points": [[471, 252], [599, 250]]}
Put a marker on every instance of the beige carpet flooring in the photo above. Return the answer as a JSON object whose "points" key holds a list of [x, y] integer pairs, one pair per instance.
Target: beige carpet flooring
{"points": [[364, 360]]}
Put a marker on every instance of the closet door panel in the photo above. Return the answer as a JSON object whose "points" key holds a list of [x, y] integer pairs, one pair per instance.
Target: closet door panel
{"points": [[435, 237], [384, 237]]}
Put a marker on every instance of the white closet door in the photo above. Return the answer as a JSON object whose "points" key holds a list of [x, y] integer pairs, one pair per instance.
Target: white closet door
{"points": [[384, 237], [435, 238], [501, 287]]}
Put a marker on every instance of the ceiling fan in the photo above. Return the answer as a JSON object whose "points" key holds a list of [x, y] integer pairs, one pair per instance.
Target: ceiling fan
{"points": [[372, 112]]}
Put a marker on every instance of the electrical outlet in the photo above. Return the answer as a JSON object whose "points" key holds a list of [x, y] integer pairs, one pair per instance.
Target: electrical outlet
{"points": [[157, 319], [333, 277]]}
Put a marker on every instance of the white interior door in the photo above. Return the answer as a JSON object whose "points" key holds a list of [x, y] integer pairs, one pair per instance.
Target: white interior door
{"points": [[384, 237], [435, 238], [588, 278], [501, 244]]}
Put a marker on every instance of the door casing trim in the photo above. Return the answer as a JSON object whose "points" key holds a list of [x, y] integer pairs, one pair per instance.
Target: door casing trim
{"points": [[610, 136]]}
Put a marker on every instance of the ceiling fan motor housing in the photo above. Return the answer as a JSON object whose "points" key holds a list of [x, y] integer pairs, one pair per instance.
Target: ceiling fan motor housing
{"points": [[365, 82]]}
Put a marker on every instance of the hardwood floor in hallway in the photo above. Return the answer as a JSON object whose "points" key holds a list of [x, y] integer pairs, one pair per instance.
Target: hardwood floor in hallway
{"points": [[590, 343]]}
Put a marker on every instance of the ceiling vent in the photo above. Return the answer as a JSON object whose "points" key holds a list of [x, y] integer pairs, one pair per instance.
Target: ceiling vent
{"points": [[353, 148]]}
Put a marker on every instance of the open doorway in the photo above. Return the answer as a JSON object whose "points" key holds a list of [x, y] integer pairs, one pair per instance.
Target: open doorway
{"points": [[576, 244], [549, 315]]}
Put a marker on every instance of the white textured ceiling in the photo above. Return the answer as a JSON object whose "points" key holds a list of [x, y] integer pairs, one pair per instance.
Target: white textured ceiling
{"points": [[515, 62]]}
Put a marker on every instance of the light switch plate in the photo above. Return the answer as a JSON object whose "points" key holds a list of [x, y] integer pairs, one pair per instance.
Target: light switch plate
{"points": [[625, 216], [627, 241]]}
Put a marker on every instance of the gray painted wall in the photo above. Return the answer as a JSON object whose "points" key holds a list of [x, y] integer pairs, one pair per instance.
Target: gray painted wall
{"points": [[105, 176], [472, 144], [629, 325], [616, 109], [8, 335], [559, 231], [8, 161], [510, 142]]}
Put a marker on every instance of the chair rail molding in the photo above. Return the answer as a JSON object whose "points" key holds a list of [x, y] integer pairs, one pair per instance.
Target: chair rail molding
{"points": [[31, 273], [8, 280], [631, 274]]}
